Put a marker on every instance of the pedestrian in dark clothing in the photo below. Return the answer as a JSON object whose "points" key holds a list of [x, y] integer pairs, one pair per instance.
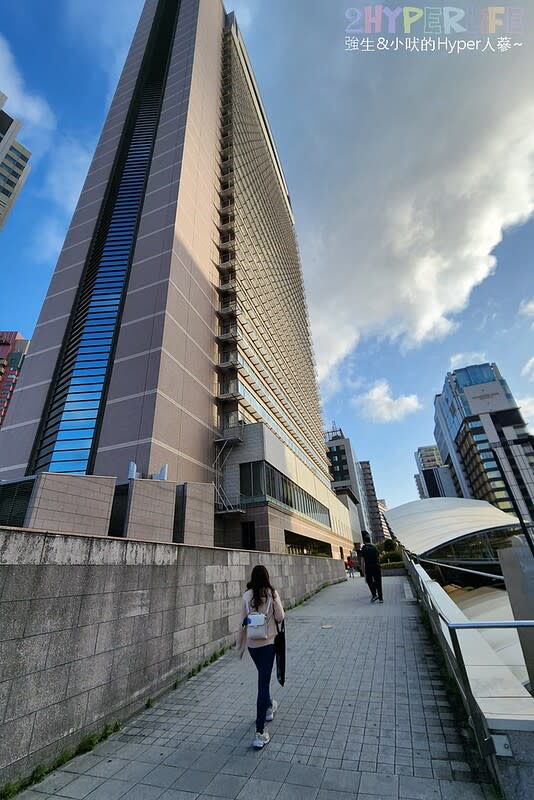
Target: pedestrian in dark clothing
{"points": [[371, 568]]}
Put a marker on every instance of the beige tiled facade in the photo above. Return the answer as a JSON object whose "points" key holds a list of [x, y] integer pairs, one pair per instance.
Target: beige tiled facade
{"points": [[71, 504]]}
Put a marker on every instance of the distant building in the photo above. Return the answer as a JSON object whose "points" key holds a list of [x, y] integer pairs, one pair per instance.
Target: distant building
{"points": [[344, 479], [13, 348], [375, 517], [341, 459], [14, 161], [382, 507], [483, 438], [346, 475], [427, 457], [433, 478]]}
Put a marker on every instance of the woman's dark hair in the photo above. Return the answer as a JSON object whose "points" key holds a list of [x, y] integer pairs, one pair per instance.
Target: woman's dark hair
{"points": [[260, 583]]}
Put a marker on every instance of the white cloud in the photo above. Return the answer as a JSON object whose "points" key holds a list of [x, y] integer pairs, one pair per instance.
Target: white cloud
{"points": [[528, 370], [39, 119], [466, 359], [379, 405], [403, 178], [245, 11], [47, 239], [106, 29], [527, 308], [67, 167], [526, 404]]}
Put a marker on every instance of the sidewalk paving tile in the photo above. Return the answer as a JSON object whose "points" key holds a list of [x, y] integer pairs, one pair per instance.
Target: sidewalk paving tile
{"points": [[364, 716]]}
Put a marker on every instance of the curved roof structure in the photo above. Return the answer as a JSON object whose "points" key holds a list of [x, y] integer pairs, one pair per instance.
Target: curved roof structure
{"points": [[423, 525]]}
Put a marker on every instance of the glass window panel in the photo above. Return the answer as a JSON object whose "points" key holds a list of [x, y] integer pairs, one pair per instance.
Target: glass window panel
{"points": [[73, 445], [78, 467], [69, 416], [89, 371], [86, 398], [72, 402], [76, 433], [246, 480], [258, 485], [87, 382], [68, 425], [96, 349]]}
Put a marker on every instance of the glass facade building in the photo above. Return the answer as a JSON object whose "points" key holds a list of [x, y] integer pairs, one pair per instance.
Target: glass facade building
{"points": [[483, 439]]}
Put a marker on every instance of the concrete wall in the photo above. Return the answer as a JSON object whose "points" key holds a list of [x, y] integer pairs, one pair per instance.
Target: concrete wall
{"points": [[150, 514], [91, 627], [71, 504], [518, 570], [199, 501]]}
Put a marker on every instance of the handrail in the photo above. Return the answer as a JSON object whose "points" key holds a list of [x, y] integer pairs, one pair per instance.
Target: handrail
{"points": [[447, 633], [460, 569], [516, 623]]}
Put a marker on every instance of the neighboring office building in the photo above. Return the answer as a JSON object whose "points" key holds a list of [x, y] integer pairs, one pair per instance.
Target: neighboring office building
{"points": [[433, 478], [174, 340], [13, 348], [340, 458], [427, 457], [14, 161], [346, 482], [435, 482], [476, 419]]}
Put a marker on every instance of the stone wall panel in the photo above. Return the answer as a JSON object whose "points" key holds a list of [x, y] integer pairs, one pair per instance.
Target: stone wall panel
{"points": [[92, 627]]}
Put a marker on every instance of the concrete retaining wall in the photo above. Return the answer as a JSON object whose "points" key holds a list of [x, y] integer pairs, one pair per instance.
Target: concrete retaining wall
{"points": [[90, 627]]}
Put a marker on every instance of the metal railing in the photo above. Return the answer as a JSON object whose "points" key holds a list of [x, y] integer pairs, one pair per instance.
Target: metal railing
{"points": [[454, 657]]}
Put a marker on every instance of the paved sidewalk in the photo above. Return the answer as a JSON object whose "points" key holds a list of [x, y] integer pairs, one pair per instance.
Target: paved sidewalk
{"points": [[364, 714]]}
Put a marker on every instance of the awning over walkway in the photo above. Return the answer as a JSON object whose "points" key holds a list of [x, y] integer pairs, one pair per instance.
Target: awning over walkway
{"points": [[423, 525]]}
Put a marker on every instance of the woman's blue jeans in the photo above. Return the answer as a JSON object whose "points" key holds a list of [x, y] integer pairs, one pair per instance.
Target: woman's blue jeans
{"points": [[263, 657]]}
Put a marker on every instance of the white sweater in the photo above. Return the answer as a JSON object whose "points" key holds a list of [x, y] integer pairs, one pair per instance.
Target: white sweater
{"points": [[276, 611]]}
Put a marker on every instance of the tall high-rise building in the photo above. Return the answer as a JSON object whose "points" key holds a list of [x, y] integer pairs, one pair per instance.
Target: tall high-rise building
{"points": [[433, 479], [484, 439], [13, 347], [174, 340], [14, 161]]}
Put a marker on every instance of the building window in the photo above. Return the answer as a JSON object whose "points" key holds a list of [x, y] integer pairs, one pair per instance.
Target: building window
{"points": [[248, 536], [261, 481]]}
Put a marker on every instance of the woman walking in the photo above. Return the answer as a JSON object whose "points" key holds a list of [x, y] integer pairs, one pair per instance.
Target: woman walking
{"points": [[262, 609]]}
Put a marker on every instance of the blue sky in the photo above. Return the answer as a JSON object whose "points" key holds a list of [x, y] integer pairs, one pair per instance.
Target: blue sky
{"points": [[411, 178]]}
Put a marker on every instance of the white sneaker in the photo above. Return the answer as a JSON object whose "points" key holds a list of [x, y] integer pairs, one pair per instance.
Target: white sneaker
{"points": [[260, 740], [271, 711]]}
